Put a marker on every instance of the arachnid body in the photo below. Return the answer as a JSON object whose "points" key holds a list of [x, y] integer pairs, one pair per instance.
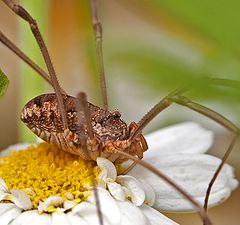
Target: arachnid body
{"points": [[42, 116]]}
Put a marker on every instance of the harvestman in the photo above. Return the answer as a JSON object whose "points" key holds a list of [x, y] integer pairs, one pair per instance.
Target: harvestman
{"points": [[79, 127]]}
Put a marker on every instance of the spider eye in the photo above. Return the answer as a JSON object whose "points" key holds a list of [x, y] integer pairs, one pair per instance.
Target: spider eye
{"points": [[116, 114], [37, 101]]}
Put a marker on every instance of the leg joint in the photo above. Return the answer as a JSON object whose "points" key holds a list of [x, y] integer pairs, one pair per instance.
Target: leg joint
{"points": [[180, 99], [19, 10], [98, 29]]}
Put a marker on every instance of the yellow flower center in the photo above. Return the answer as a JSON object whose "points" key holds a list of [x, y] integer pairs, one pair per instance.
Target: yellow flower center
{"points": [[44, 170]]}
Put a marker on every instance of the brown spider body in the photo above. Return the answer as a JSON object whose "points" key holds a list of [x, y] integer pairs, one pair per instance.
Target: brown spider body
{"points": [[111, 133]]}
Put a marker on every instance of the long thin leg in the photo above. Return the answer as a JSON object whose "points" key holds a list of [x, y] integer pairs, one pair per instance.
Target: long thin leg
{"points": [[202, 212], [97, 27], [181, 100], [83, 141], [81, 132], [207, 112], [99, 212], [84, 107], [20, 11], [23, 56], [159, 107], [227, 153], [128, 169], [224, 82], [175, 97]]}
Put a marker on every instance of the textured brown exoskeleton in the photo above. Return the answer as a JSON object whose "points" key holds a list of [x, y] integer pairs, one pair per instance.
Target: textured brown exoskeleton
{"points": [[79, 127], [110, 132]]}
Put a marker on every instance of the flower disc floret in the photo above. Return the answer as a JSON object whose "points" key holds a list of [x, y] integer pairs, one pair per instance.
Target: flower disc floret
{"points": [[44, 170]]}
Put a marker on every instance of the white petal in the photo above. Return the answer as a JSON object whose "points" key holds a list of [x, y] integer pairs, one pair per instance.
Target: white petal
{"points": [[4, 207], [23, 218], [14, 148], [20, 199], [155, 218], [69, 196], [116, 191], [75, 219], [3, 190], [88, 212], [32, 217], [60, 219], [149, 193], [131, 215], [8, 212], [68, 204], [3, 195], [137, 193], [182, 138], [102, 177], [52, 200], [192, 173], [108, 206], [39, 140], [108, 165], [3, 186]]}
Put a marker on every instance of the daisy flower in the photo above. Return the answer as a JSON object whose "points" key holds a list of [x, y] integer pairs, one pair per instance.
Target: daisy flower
{"points": [[41, 184]]}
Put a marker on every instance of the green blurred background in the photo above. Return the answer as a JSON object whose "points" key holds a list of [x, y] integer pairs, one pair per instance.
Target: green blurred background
{"points": [[150, 48]]}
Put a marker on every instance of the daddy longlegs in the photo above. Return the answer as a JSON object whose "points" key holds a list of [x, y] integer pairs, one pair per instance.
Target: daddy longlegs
{"points": [[76, 127]]}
